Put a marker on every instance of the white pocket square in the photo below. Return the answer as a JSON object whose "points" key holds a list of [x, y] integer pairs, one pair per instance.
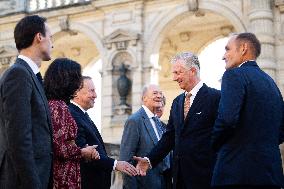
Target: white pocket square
{"points": [[198, 113]]}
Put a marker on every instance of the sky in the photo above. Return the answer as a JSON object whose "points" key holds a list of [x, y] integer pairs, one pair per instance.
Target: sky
{"points": [[211, 63]]}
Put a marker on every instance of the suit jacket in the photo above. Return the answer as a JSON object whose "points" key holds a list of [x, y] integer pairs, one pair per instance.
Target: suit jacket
{"points": [[25, 130], [137, 140], [95, 174], [246, 132], [190, 139]]}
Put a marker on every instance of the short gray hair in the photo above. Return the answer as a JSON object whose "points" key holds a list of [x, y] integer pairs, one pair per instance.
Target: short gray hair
{"points": [[190, 59], [146, 88]]}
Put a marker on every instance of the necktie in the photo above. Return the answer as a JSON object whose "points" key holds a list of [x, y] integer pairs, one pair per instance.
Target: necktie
{"points": [[159, 126], [39, 77], [186, 104]]}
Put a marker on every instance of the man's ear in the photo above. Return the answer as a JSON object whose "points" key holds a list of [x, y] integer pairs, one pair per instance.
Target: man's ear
{"points": [[38, 37], [193, 70], [244, 48]]}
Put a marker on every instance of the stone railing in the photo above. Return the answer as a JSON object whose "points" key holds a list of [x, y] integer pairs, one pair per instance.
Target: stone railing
{"points": [[8, 7], [35, 5]]}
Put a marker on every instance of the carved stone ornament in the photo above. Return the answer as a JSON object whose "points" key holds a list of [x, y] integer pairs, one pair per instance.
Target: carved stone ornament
{"points": [[64, 25], [121, 39], [280, 5], [7, 55], [192, 5]]}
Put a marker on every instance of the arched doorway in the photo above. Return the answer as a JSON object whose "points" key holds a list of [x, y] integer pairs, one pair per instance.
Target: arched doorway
{"points": [[79, 47], [188, 31]]}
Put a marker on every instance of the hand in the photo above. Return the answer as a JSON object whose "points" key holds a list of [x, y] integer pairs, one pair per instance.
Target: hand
{"points": [[142, 165], [88, 152], [95, 153], [126, 167]]}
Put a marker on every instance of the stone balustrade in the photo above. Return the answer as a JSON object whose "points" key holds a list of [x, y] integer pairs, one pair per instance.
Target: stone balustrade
{"points": [[8, 7], [35, 5]]}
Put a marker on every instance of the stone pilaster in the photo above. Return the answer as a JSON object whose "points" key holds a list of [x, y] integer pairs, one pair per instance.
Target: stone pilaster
{"points": [[261, 23]]}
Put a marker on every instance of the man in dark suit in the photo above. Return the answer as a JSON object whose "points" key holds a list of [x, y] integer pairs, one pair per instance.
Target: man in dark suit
{"points": [[94, 174], [25, 126], [159, 111], [141, 133], [189, 128], [246, 132]]}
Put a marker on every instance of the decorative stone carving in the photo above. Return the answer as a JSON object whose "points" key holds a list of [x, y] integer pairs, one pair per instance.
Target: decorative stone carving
{"points": [[122, 57], [121, 74], [226, 30], [123, 85], [7, 55], [184, 36], [121, 39], [192, 5], [76, 51], [280, 5], [64, 25]]}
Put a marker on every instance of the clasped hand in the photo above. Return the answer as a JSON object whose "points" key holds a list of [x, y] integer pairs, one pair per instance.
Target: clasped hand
{"points": [[90, 153]]}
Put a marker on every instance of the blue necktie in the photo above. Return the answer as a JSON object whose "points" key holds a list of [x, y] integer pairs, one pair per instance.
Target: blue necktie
{"points": [[159, 126]]}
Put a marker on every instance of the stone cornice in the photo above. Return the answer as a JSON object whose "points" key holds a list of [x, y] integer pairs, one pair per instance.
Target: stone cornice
{"points": [[280, 5]]}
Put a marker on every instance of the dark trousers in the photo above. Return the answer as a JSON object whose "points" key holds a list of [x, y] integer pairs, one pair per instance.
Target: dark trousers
{"points": [[246, 187], [168, 179]]}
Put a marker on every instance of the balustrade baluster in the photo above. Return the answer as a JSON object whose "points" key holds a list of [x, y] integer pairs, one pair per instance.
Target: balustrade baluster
{"points": [[37, 5]]}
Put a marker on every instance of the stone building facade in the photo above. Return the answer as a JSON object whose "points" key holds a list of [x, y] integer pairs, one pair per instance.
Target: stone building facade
{"points": [[143, 35]]}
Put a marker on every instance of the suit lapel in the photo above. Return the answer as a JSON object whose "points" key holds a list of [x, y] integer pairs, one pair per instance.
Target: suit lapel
{"points": [[40, 90], [196, 103], [180, 110], [148, 125], [197, 100], [90, 124], [94, 128]]}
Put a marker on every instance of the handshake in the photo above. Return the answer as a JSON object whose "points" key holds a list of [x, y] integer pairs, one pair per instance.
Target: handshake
{"points": [[90, 153]]}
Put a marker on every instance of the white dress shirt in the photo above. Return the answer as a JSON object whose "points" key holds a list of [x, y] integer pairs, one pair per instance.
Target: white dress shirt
{"points": [[31, 63], [194, 91]]}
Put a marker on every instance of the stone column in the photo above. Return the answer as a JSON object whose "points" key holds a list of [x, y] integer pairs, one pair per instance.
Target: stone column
{"points": [[261, 23]]}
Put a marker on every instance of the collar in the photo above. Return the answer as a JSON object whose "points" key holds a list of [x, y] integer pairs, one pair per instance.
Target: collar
{"points": [[84, 111], [195, 89], [148, 112], [31, 63], [246, 62]]}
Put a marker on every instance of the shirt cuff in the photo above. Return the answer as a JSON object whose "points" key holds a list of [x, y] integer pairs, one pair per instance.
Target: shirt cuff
{"points": [[114, 165], [148, 160]]}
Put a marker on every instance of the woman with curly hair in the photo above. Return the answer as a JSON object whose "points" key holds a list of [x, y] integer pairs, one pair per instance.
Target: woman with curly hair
{"points": [[62, 79]]}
